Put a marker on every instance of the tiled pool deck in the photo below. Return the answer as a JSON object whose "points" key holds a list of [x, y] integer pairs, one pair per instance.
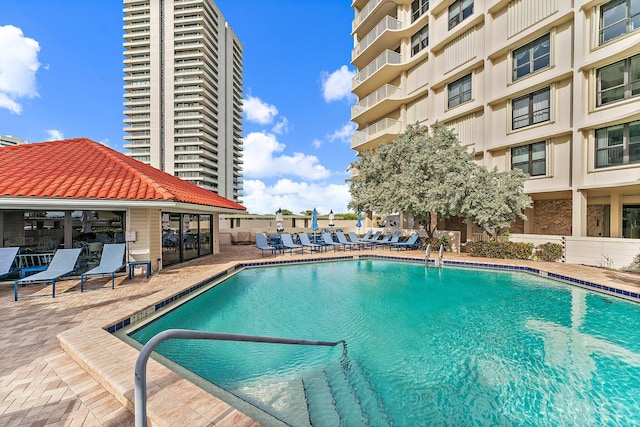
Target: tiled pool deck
{"points": [[59, 366]]}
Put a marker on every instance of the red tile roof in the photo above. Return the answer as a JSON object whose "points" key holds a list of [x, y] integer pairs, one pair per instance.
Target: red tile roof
{"points": [[84, 169]]}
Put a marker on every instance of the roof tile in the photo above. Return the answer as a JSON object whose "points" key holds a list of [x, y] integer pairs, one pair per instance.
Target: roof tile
{"points": [[84, 169]]}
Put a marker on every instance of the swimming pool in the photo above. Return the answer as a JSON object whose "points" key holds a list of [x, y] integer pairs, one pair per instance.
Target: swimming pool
{"points": [[426, 346]]}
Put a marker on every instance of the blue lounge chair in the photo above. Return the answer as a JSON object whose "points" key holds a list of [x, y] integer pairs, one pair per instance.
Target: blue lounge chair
{"points": [[342, 239], [395, 238], [287, 243], [62, 263], [366, 236], [7, 257], [386, 239], [354, 238], [111, 260], [327, 240], [375, 237], [261, 243], [411, 243], [306, 243]]}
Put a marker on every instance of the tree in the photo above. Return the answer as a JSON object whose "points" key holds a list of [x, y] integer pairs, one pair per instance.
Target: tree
{"points": [[419, 173]]}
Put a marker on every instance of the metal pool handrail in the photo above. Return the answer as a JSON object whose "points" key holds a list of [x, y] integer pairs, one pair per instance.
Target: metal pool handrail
{"points": [[140, 372]]}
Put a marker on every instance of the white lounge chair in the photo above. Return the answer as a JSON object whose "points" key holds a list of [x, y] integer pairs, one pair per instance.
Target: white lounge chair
{"points": [[111, 260], [62, 263]]}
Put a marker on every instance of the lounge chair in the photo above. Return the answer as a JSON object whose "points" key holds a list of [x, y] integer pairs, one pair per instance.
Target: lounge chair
{"points": [[342, 239], [111, 260], [261, 243], [353, 237], [411, 243], [62, 263], [7, 256], [375, 237], [327, 240], [366, 236], [287, 243], [395, 238], [386, 239], [306, 243]]}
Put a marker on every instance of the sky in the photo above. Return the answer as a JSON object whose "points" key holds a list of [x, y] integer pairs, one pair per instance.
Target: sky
{"points": [[61, 77]]}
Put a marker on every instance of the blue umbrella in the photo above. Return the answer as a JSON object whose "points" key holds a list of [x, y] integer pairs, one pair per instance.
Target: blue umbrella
{"points": [[314, 220], [359, 221]]}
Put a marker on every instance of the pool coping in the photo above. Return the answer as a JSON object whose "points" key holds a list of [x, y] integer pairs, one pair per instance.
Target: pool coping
{"points": [[172, 399]]}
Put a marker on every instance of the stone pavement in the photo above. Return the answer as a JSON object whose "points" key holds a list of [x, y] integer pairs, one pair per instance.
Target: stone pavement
{"points": [[43, 385]]}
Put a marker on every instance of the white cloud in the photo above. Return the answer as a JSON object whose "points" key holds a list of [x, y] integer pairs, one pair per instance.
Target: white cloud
{"points": [[258, 111], [281, 127], [337, 85], [18, 66], [262, 159], [344, 133], [54, 135], [260, 198], [317, 143]]}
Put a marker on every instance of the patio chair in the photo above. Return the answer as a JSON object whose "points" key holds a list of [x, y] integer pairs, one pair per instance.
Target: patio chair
{"points": [[386, 239], [373, 238], [261, 243], [111, 260], [287, 243], [7, 256], [327, 240], [411, 243], [306, 243], [353, 237], [342, 239], [395, 238], [62, 263]]}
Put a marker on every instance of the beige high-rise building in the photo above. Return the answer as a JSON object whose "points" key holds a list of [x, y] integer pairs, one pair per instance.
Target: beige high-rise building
{"points": [[183, 84], [551, 87]]}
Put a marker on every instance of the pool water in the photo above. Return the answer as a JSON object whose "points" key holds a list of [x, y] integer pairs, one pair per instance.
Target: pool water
{"points": [[426, 346]]}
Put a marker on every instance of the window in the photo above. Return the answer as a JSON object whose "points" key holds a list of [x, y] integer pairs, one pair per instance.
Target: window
{"points": [[617, 18], [460, 91], [530, 159], [531, 109], [618, 145], [420, 40], [532, 57], [618, 81], [418, 8], [459, 11]]}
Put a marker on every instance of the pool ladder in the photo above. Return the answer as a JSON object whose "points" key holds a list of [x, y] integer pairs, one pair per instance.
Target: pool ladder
{"points": [[438, 261], [140, 380]]}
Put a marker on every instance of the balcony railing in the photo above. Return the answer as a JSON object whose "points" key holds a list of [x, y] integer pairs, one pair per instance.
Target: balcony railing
{"points": [[383, 127], [364, 12], [388, 23], [386, 91], [385, 58]]}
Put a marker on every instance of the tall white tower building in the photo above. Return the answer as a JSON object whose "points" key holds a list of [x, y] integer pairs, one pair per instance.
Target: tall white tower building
{"points": [[183, 92]]}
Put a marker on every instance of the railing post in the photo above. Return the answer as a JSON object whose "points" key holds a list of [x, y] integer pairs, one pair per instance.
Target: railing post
{"points": [[140, 371]]}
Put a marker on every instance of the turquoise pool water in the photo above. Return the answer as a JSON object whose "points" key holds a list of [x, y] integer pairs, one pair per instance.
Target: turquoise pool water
{"points": [[426, 346]]}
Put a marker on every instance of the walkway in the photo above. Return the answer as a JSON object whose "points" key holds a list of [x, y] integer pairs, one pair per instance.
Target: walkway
{"points": [[42, 385]]}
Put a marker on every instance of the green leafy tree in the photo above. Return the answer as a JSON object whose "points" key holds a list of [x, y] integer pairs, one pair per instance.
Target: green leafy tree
{"points": [[420, 173]]}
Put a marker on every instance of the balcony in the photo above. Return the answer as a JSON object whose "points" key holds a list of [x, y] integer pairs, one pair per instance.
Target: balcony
{"points": [[387, 58], [377, 104], [387, 24], [371, 137]]}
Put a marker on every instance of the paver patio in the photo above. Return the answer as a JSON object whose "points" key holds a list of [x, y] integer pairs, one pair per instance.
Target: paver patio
{"points": [[43, 385]]}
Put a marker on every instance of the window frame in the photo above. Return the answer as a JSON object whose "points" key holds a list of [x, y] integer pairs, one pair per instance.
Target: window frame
{"points": [[418, 8], [627, 20], [531, 111], [625, 146], [530, 48], [627, 85], [422, 38], [531, 161], [458, 12], [461, 96]]}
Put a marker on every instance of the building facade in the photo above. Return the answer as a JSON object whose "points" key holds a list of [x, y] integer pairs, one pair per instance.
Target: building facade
{"points": [[183, 92], [551, 87], [10, 141]]}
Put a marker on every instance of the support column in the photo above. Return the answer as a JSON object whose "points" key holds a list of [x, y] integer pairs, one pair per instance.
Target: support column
{"points": [[529, 223], [579, 214], [68, 230], [616, 215]]}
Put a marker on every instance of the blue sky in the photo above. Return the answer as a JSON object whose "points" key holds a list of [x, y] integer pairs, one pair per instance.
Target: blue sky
{"points": [[61, 77]]}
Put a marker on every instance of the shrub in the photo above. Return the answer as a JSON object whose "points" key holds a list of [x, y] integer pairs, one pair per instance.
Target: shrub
{"points": [[436, 242], [549, 252], [507, 250]]}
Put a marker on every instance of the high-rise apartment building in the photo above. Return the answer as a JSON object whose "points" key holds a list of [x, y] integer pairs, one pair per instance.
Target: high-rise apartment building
{"points": [[551, 87], [183, 92], [10, 140]]}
